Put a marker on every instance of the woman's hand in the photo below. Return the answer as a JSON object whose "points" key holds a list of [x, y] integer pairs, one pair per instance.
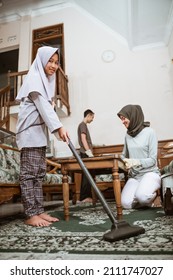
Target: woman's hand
{"points": [[130, 162], [63, 134], [89, 153]]}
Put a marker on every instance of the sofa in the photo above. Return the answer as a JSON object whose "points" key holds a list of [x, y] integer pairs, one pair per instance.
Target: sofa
{"points": [[9, 175]]}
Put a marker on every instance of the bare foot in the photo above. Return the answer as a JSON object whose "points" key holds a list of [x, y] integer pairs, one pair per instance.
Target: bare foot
{"points": [[48, 218], [37, 221], [88, 199], [157, 202]]}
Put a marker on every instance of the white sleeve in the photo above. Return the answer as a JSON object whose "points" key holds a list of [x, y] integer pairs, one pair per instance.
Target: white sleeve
{"points": [[46, 111]]}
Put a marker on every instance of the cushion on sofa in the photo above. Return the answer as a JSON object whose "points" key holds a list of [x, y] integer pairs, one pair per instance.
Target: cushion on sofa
{"points": [[2, 159], [12, 159], [107, 177], [10, 169], [54, 179]]}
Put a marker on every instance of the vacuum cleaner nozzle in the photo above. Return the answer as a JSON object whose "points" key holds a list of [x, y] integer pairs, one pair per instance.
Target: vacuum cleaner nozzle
{"points": [[122, 231]]}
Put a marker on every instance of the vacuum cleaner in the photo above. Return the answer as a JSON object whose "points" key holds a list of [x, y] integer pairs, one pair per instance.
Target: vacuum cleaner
{"points": [[119, 229]]}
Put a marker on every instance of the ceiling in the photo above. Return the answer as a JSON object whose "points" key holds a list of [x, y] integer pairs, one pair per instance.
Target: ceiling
{"points": [[140, 23]]}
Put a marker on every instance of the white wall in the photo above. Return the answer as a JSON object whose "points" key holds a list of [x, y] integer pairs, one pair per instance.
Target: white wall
{"points": [[9, 36], [141, 77], [170, 49]]}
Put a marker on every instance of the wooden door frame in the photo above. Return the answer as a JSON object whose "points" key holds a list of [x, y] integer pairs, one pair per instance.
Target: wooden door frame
{"points": [[43, 36]]}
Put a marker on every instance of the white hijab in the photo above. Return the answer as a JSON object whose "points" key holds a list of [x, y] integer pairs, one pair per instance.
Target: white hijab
{"points": [[36, 79]]}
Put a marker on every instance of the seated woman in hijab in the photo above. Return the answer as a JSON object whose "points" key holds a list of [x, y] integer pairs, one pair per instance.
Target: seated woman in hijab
{"points": [[140, 158]]}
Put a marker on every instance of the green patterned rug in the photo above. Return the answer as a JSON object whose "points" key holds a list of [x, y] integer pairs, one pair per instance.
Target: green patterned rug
{"points": [[84, 231]]}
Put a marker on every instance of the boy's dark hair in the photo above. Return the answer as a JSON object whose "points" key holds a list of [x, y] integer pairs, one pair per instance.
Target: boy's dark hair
{"points": [[88, 112]]}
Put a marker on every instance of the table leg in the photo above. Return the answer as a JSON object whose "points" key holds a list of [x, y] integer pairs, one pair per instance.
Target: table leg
{"points": [[117, 188], [77, 180], [65, 187]]}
